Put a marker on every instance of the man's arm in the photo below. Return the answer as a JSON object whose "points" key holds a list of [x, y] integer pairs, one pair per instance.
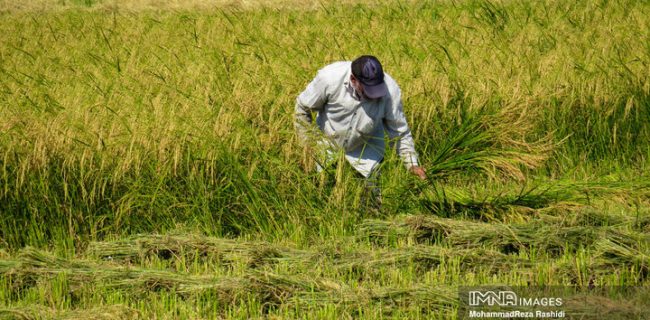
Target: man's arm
{"points": [[400, 134], [312, 99]]}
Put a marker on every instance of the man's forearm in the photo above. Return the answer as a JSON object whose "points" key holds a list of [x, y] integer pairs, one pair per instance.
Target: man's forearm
{"points": [[406, 148], [410, 159], [302, 120]]}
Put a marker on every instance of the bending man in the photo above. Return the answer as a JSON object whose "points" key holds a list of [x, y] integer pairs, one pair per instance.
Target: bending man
{"points": [[355, 103]]}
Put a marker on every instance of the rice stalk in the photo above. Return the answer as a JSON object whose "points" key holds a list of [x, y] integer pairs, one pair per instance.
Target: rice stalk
{"points": [[494, 144]]}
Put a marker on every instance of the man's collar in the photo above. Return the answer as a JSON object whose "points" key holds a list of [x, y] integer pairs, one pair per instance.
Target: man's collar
{"points": [[349, 87]]}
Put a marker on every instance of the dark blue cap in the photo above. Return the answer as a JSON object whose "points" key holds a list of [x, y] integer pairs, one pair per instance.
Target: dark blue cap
{"points": [[368, 70]]}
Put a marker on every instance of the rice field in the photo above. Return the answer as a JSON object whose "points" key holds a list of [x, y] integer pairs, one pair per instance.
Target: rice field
{"points": [[149, 166]]}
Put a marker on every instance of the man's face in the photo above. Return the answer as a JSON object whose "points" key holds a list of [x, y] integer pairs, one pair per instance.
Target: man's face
{"points": [[359, 88]]}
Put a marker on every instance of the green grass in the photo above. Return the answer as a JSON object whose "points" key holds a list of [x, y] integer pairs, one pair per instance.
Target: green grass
{"points": [[149, 167]]}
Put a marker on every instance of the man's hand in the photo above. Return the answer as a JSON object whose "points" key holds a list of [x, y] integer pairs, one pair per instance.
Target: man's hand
{"points": [[419, 171]]}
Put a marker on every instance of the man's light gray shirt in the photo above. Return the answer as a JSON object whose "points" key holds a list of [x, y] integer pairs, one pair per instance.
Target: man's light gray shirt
{"points": [[354, 124]]}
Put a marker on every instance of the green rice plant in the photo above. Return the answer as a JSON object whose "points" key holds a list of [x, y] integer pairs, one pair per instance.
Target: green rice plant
{"points": [[492, 143], [133, 139]]}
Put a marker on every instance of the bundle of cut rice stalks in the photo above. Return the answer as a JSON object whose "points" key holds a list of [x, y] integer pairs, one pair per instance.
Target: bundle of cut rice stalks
{"points": [[493, 142], [617, 251]]}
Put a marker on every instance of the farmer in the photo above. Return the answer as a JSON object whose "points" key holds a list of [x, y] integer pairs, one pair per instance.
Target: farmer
{"points": [[355, 103]]}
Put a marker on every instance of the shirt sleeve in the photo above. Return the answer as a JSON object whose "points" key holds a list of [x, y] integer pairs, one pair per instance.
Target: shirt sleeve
{"points": [[398, 130], [312, 99]]}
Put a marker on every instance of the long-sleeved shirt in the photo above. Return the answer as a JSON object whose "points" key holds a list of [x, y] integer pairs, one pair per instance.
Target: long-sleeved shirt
{"points": [[352, 123]]}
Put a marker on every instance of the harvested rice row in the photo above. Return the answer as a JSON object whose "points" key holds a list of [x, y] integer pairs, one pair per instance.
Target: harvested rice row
{"points": [[507, 238], [189, 246], [474, 238], [590, 305], [563, 202], [428, 257], [255, 254], [37, 312], [589, 216], [33, 266]]}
